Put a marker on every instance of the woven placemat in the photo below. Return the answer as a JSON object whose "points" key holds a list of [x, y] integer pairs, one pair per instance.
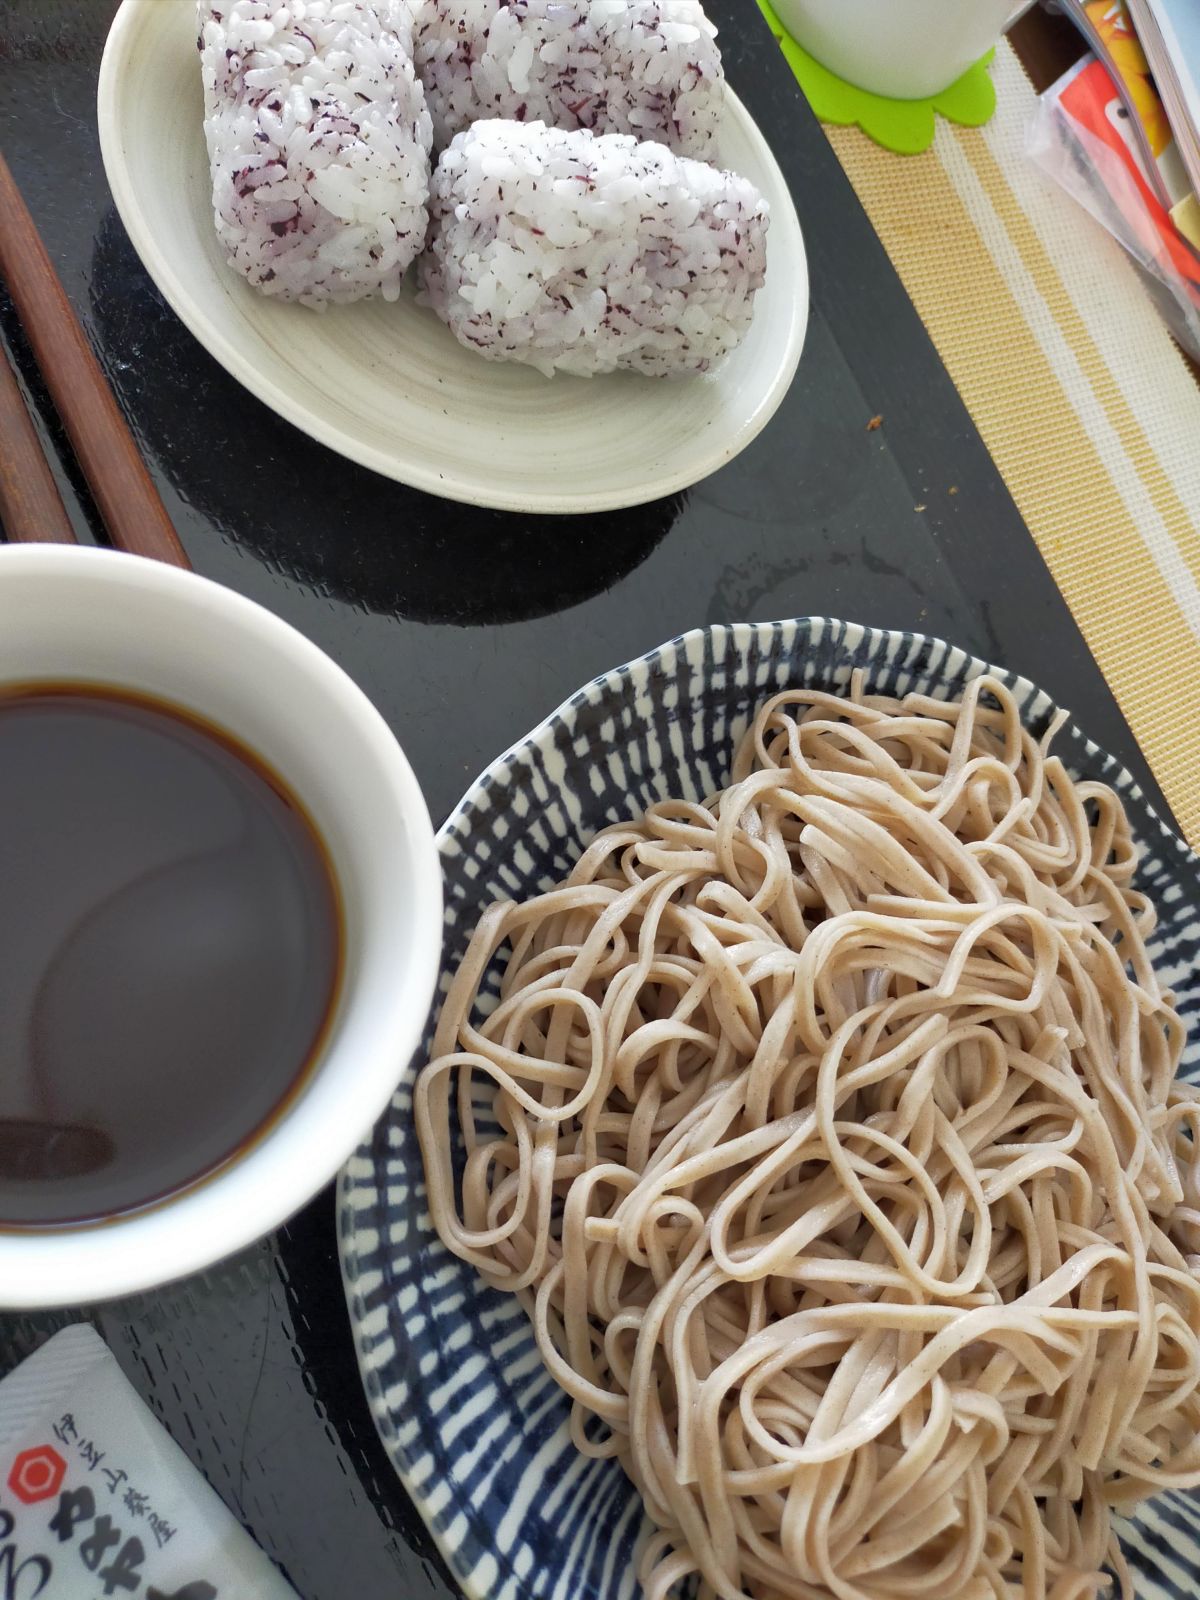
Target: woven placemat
{"points": [[1088, 409]]}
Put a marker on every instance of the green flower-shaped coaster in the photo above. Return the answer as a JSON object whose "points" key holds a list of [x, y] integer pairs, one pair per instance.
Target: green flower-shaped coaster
{"points": [[906, 126]]}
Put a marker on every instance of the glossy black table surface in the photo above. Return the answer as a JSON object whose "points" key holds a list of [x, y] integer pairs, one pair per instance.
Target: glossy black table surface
{"points": [[466, 627]]}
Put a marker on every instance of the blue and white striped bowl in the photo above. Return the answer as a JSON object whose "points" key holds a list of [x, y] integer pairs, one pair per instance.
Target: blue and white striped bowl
{"points": [[476, 1427]]}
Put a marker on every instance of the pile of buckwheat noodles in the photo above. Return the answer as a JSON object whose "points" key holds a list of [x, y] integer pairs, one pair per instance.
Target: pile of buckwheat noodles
{"points": [[830, 1132]]}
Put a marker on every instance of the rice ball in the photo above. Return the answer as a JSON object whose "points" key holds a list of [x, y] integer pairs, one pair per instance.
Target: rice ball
{"points": [[649, 68], [584, 253], [319, 140]]}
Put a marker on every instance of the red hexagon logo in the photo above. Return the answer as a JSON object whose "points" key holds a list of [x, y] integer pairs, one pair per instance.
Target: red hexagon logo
{"points": [[37, 1474]]}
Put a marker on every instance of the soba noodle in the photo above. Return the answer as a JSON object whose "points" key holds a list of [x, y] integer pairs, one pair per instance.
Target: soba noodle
{"points": [[830, 1130]]}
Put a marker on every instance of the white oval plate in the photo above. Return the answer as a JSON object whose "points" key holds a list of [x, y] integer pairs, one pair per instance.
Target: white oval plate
{"points": [[388, 385]]}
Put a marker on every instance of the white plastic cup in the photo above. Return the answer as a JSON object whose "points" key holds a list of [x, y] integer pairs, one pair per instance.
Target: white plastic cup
{"points": [[903, 49], [68, 612]]}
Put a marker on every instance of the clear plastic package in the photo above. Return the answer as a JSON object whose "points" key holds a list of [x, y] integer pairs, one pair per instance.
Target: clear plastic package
{"points": [[1080, 137]]}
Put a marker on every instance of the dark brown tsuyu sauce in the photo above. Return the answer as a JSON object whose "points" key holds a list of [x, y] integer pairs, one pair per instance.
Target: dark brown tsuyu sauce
{"points": [[170, 951]]}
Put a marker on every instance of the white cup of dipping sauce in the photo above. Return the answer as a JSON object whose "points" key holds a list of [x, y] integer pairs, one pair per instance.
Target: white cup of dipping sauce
{"points": [[903, 49], [96, 616]]}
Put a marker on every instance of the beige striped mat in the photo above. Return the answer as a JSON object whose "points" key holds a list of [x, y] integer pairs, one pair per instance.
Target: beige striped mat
{"points": [[1086, 406]]}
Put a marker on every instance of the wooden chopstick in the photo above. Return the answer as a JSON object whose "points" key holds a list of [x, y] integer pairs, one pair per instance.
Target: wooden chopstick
{"points": [[31, 508], [107, 453]]}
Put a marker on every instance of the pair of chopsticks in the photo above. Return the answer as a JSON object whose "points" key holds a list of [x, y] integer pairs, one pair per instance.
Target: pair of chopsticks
{"points": [[31, 508]]}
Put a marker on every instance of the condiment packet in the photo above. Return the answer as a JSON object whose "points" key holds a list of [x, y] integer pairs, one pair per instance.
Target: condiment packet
{"points": [[98, 1502]]}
